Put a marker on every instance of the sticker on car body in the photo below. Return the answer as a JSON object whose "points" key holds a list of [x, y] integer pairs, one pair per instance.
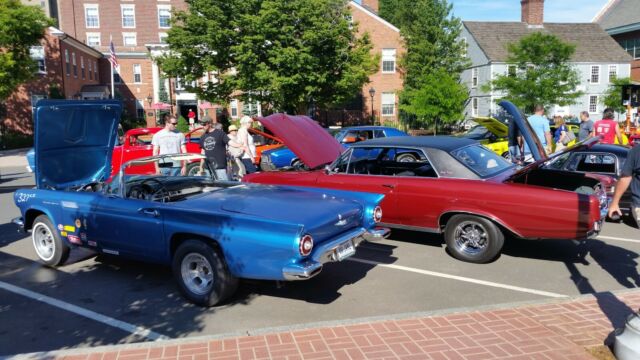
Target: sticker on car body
{"points": [[22, 197]]}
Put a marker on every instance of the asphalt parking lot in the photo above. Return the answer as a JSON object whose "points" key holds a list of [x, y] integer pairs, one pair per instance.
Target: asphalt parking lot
{"points": [[104, 300]]}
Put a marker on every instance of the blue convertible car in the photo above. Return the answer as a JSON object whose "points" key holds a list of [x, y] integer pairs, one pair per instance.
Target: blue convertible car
{"points": [[210, 232]]}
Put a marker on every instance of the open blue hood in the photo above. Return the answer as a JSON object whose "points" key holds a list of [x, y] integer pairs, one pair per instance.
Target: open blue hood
{"points": [[74, 140]]}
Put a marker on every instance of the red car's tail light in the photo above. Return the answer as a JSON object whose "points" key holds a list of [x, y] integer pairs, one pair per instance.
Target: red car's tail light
{"points": [[377, 214], [306, 245]]}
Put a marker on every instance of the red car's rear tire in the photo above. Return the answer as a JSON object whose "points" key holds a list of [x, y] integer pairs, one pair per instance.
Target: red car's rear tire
{"points": [[473, 238]]}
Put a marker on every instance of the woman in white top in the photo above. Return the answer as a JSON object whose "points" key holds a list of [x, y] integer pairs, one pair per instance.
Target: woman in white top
{"points": [[246, 139], [236, 153]]}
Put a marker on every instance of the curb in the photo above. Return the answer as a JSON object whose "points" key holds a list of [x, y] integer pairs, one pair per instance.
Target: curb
{"points": [[306, 326]]}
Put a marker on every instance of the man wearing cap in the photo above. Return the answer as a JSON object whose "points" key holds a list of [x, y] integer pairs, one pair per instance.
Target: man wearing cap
{"points": [[213, 145], [236, 153]]}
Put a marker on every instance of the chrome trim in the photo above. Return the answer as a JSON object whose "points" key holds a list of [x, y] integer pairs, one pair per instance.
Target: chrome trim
{"points": [[326, 252], [492, 218], [411, 228], [20, 222]]}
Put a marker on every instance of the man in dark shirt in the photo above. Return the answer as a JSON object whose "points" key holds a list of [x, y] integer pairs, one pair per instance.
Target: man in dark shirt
{"points": [[630, 175], [213, 145]]}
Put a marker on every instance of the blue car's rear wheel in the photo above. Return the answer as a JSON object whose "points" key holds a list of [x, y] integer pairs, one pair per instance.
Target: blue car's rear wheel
{"points": [[202, 274], [473, 238], [50, 248]]}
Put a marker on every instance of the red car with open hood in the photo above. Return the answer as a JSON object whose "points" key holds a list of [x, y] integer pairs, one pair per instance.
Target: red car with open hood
{"points": [[449, 185]]}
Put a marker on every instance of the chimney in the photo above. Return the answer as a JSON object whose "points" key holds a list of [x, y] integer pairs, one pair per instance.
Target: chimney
{"points": [[532, 12], [371, 5]]}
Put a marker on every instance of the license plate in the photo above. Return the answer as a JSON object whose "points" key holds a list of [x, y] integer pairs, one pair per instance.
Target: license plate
{"points": [[345, 250]]}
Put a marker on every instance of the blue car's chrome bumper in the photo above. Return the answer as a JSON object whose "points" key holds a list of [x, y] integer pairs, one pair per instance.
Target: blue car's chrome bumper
{"points": [[18, 221], [327, 252]]}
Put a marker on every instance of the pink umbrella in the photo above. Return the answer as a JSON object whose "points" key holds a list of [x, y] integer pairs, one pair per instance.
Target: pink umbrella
{"points": [[161, 106], [206, 105]]}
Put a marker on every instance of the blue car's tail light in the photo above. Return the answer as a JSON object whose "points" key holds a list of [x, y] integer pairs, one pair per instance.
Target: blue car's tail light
{"points": [[377, 214], [306, 245]]}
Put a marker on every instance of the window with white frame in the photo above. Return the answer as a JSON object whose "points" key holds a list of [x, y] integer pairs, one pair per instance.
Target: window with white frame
{"points": [[163, 37], [140, 109], [128, 12], [37, 54], [474, 106], [137, 73], [593, 104], [388, 102], [474, 77], [66, 60], [90, 71], [613, 72], [234, 108], [82, 67], [129, 39], [75, 65], [93, 39], [164, 16], [388, 61], [91, 16], [595, 74]]}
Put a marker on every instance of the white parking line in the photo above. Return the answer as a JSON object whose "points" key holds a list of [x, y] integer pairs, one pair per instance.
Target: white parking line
{"points": [[460, 278], [133, 329], [618, 239]]}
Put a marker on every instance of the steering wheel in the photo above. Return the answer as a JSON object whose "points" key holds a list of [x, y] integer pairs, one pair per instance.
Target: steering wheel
{"points": [[160, 193]]}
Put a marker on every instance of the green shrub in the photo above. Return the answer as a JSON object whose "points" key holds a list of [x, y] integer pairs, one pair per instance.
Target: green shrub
{"points": [[11, 139], [183, 125]]}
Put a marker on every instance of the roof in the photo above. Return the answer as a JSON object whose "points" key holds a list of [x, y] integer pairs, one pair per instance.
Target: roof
{"points": [[618, 150], [374, 15], [445, 143], [617, 13], [592, 43]]}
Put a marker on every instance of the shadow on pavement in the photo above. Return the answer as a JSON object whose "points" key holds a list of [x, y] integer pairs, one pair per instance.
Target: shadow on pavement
{"points": [[9, 234]]}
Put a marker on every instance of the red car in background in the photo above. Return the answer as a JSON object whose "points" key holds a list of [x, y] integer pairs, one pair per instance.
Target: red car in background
{"points": [[449, 185], [136, 143]]}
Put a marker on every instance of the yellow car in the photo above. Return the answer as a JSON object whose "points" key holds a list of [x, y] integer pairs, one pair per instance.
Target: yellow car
{"points": [[491, 133]]}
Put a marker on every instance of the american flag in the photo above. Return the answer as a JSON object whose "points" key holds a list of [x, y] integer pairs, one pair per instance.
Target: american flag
{"points": [[112, 55]]}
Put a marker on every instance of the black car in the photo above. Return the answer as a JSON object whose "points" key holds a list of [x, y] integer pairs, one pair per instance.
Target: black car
{"points": [[603, 159]]}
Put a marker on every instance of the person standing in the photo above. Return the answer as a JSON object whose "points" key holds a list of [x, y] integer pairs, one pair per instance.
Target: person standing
{"points": [[608, 128], [540, 125], [213, 145], [247, 140], [169, 141], [192, 118], [560, 135], [586, 127], [630, 175], [236, 153]]}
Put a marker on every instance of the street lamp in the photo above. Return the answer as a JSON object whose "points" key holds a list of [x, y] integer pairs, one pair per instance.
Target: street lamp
{"points": [[372, 92], [149, 101]]}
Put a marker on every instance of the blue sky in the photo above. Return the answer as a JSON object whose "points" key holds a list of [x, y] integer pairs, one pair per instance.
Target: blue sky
{"points": [[509, 10]]}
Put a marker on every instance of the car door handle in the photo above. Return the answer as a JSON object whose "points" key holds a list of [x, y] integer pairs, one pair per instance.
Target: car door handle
{"points": [[390, 186], [150, 212]]}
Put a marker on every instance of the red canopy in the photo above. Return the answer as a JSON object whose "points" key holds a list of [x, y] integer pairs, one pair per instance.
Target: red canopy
{"points": [[206, 105], [161, 106]]}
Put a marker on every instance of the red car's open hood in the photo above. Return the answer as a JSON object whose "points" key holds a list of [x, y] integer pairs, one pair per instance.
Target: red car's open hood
{"points": [[310, 142], [579, 146]]}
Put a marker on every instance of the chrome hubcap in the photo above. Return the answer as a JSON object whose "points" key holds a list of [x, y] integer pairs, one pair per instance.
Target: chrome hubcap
{"points": [[471, 237], [43, 241], [197, 274]]}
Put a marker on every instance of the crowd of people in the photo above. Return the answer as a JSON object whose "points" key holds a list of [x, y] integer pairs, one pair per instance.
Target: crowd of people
{"points": [[230, 156]]}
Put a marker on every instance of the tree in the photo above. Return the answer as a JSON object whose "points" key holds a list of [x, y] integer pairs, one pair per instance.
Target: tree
{"points": [[183, 125], [544, 74], [613, 96], [21, 27], [280, 53], [434, 51], [440, 99]]}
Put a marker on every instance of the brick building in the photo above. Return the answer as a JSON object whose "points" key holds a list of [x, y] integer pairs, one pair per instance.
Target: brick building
{"points": [[67, 68], [138, 29]]}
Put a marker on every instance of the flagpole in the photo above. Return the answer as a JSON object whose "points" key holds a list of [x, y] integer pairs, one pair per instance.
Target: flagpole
{"points": [[113, 94]]}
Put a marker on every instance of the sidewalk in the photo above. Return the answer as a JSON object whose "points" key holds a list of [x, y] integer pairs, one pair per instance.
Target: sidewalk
{"points": [[13, 158], [549, 330]]}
